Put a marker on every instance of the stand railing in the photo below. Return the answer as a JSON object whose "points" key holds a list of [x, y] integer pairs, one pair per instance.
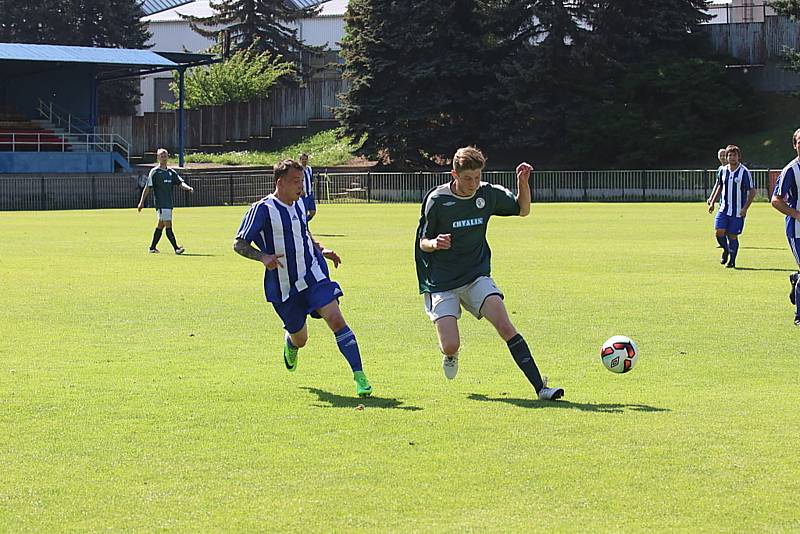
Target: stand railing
{"points": [[63, 142]]}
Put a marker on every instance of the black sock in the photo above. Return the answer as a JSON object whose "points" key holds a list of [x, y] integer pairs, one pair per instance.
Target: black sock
{"points": [[522, 355], [156, 238], [171, 238]]}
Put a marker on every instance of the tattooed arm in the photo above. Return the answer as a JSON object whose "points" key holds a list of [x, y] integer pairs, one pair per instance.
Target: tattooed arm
{"points": [[243, 248]]}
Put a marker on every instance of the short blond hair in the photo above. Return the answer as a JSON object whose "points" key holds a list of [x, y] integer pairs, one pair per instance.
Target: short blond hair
{"points": [[734, 148], [722, 151], [162, 151], [468, 158], [795, 136]]}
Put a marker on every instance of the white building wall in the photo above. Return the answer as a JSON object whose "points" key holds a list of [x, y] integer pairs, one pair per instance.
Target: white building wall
{"points": [[170, 34]]}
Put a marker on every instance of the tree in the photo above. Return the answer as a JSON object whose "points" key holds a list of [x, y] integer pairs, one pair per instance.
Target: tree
{"points": [[789, 8], [538, 68], [646, 95], [244, 76], [416, 70], [261, 25]]}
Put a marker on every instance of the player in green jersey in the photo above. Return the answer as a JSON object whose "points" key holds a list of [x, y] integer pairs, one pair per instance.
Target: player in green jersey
{"points": [[161, 180], [453, 260]]}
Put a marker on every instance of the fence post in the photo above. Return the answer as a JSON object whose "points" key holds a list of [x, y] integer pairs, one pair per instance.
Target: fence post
{"points": [[94, 193], [43, 199], [419, 182], [585, 180], [230, 190], [644, 185], [369, 187], [706, 182]]}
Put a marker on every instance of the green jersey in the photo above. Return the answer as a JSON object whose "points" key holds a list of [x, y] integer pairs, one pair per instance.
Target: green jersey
{"points": [[466, 220], [162, 181]]}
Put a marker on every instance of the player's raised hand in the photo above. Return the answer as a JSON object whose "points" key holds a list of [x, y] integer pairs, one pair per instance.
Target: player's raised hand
{"points": [[331, 255], [271, 261], [524, 171], [443, 241]]}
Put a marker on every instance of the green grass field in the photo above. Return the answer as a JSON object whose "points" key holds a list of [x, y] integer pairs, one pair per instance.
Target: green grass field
{"points": [[147, 392]]}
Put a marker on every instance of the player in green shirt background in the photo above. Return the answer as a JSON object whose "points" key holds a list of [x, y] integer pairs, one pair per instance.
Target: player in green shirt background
{"points": [[161, 180], [453, 260]]}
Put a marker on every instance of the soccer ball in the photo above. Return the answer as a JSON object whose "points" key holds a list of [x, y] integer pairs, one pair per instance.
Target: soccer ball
{"points": [[619, 354]]}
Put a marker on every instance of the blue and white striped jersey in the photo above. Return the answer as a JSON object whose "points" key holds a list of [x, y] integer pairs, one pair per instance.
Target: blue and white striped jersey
{"points": [[276, 228], [786, 187], [308, 180], [735, 186]]}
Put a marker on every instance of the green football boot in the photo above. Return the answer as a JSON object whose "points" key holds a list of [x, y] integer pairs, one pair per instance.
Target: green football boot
{"points": [[290, 356], [363, 389]]}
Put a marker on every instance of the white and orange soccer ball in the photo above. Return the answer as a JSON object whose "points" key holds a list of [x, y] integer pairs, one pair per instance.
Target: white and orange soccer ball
{"points": [[619, 354]]}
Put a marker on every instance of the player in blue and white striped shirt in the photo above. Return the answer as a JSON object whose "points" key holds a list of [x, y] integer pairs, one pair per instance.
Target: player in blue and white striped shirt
{"points": [[296, 281], [308, 187], [785, 199], [736, 185]]}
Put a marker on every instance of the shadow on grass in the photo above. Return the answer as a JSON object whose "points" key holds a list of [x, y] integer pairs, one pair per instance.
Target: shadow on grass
{"points": [[339, 401], [765, 269], [583, 407], [204, 255], [762, 248], [330, 235]]}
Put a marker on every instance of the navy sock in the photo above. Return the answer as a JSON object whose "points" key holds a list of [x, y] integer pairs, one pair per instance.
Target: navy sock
{"points": [[797, 299], [522, 355], [171, 237], [156, 238], [348, 346], [723, 242], [734, 248]]}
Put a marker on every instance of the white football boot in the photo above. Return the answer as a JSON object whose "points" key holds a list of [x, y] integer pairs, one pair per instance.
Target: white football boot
{"points": [[450, 366], [547, 393]]}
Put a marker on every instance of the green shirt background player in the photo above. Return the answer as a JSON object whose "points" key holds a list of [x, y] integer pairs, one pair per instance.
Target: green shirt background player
{"points": [[161, 180], [453, 260]]}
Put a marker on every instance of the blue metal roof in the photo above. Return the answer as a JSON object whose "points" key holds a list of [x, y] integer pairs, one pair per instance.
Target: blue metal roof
{"points": [[305, 4], [82, 54], [156, 6]]}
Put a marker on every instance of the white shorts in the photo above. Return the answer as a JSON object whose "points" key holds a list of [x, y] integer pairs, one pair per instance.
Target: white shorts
{"points": [[164, 214], [471, 296]]}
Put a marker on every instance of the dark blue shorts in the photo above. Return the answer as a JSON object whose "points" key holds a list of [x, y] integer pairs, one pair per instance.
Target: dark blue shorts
{"points": [[729, 223], [295, 309], [311, 204], [794, 246]]}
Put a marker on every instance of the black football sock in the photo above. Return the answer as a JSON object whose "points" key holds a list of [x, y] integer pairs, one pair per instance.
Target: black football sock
{"points": [[734, 248], [156, 238], [522, 355], [171, 237]]}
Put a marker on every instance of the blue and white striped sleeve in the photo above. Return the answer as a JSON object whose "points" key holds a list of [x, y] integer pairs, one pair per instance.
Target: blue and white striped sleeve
{"points": [[253, 222], [747, 181], [785, 182]]}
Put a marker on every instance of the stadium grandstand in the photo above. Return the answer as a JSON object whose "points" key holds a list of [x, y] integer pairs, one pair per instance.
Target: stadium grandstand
{"points": [[49, 104]]}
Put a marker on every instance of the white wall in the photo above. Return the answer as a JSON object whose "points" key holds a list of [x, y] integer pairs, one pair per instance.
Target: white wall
{"points": [[171, 34]]}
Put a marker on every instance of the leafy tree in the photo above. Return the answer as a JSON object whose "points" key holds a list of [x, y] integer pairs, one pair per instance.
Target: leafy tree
{"points": [[244, 76], [262, 25], [539, 69], [789, 8], [417, 69]]}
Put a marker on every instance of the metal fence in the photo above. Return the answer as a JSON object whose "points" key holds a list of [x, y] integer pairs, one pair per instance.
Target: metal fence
{"points": [[30, 192]]}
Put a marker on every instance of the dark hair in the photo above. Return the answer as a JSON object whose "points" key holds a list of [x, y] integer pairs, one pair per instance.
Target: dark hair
{"points": [[282, 168]]}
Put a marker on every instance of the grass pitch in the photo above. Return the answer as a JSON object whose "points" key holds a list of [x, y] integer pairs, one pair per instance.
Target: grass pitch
{"points": [[147, 392]]}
